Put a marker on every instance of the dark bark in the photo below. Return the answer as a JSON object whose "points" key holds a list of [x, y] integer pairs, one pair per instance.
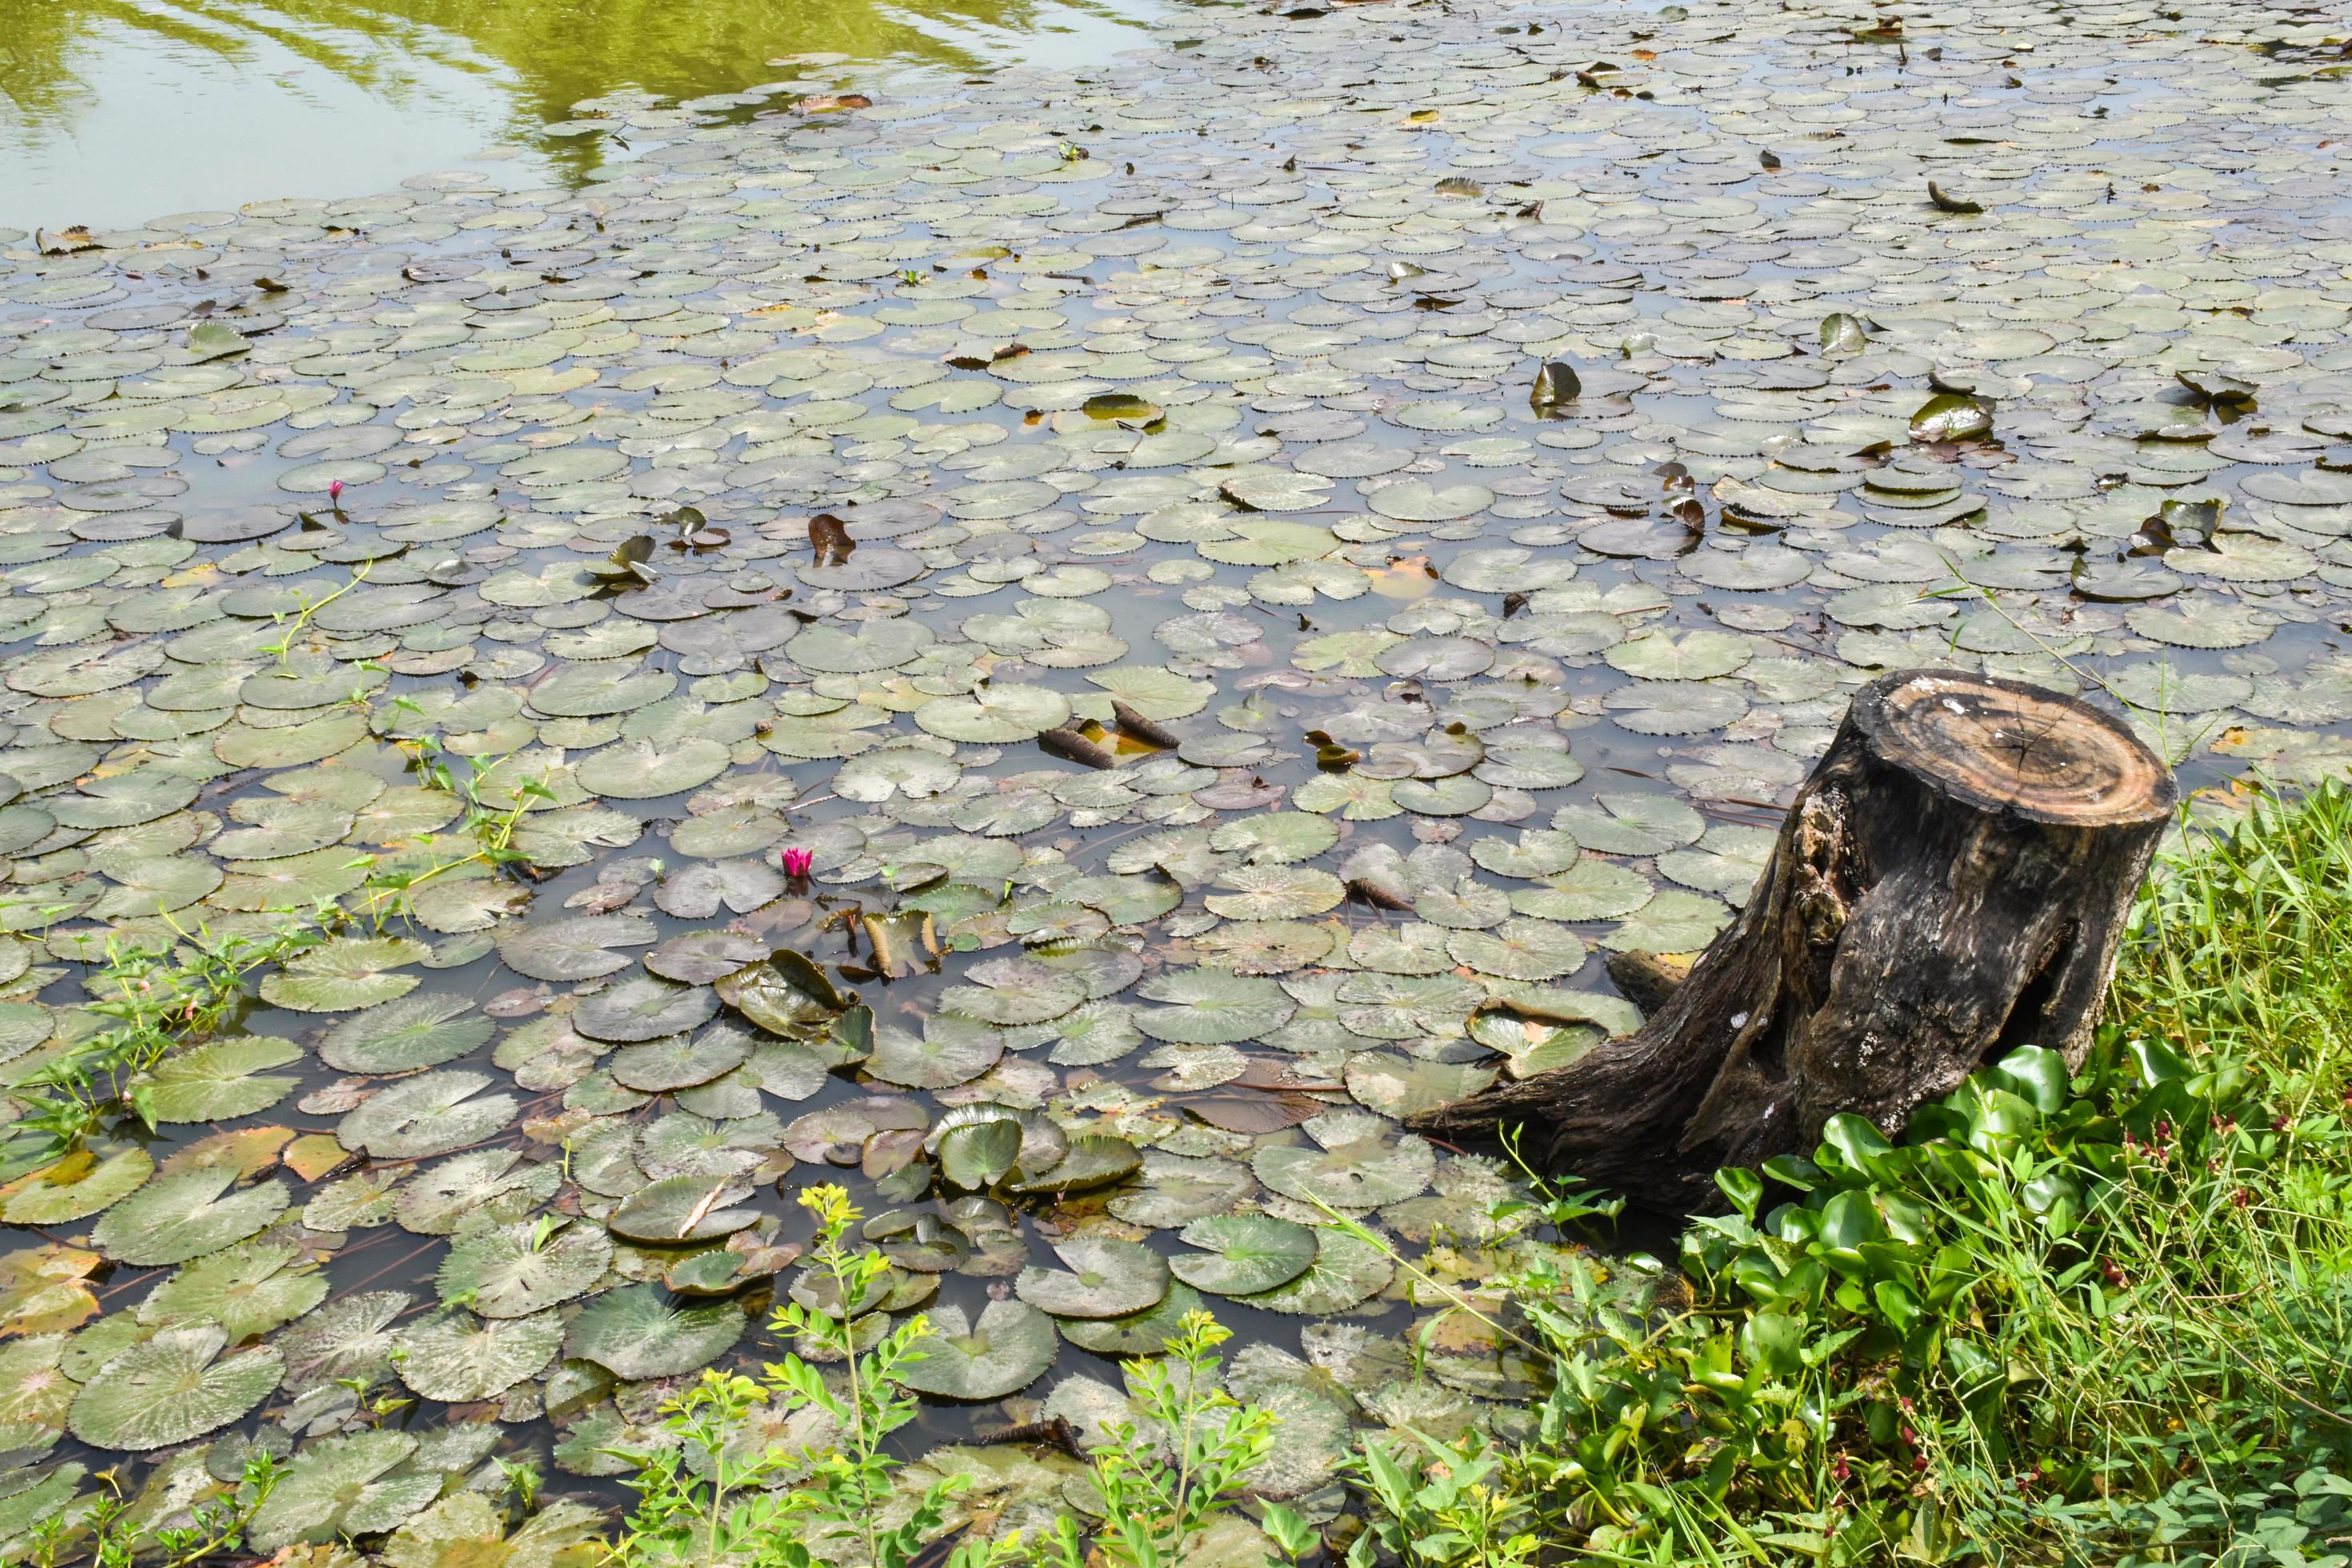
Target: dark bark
{"points": [[1951, 882]]}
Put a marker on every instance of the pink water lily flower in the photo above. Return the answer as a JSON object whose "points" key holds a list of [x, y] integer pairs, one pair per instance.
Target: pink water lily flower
{"points": [[798, 861], [335, 492]]}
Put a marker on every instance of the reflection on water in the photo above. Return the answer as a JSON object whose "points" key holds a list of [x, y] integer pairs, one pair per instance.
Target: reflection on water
{"points": [[114, 112]]}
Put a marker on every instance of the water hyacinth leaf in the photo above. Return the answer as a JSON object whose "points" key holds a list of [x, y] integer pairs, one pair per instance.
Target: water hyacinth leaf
{"points": [[1102, 1276], [455, 1356], [1242, 1254], [172, 1387], [1008, 1349], [637, 1332]]}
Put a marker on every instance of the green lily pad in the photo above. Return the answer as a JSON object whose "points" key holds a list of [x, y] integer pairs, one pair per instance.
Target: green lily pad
{"points": [[1211, 1006], [580, 948], [220, 1080], [1138, 1333], [637, 1332], [514, 1271], [185, 1214], [1104, 1278], [247, 1290], [406, 1034], [1362, 1162], [1006, 1350], [80, 1186], [418, 1117], [1346, 1273], [1242, 1254], [457, 1357], [341, 1486], [172, 1387], [676, 1210], [644, 1008], [346, 974]]}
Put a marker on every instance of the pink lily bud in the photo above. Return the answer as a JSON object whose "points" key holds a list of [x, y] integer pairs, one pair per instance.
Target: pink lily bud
{"points": [[335, 492], [798, 861]]}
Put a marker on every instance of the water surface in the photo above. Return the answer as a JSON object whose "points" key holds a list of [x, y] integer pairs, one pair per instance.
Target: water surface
{"points": [[115, 111]]}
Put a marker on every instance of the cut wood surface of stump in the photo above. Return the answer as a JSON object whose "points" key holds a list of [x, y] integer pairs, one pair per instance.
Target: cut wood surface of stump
{"points": [[1951, 882]]}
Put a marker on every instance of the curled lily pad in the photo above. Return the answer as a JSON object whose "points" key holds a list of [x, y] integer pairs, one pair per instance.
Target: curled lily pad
{"points": [[1093, 1160]]}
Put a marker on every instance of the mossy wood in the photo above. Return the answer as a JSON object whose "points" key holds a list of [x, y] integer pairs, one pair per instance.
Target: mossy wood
{"points": [[1952, 881]]}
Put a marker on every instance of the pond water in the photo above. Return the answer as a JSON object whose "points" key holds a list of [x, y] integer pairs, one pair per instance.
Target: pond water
{"points": [[849, 466], [111, 113]]}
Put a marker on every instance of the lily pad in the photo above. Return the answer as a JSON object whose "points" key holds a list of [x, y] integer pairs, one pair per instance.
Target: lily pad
{"points": [[172, 1387], [1006, 1350], [1102, 1277], [637, 1333]]}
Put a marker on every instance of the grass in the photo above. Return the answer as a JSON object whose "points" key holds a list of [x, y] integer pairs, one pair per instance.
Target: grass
{"points": [[2099, 1317]]}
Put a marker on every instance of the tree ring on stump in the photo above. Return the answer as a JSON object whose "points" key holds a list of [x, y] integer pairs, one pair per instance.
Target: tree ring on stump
{"points": [[2005, 745]]}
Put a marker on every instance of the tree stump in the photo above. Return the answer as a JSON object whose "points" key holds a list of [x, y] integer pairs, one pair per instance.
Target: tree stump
{"points": [[1951, 882]]}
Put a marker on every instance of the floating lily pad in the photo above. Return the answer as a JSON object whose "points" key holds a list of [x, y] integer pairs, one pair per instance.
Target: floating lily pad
{"points": [[1006, 1350], [172, 1387], [1242, 1254], [1101, 1278], [514, 1271], [637, 1332], [455, 1356]]}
